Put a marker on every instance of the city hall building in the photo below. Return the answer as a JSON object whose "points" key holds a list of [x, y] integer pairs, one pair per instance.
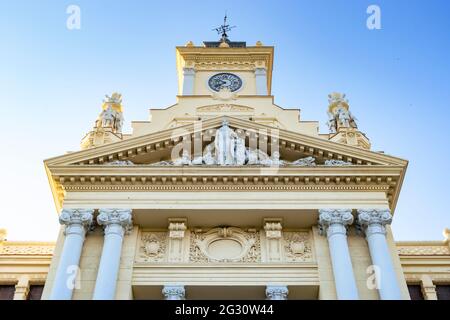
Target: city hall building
{"points": [[225, 195]]}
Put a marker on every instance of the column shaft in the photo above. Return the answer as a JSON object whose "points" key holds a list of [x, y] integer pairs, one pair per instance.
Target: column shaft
{"points": [[116, 222], [373, 223], [77, 221], [333, 223]]}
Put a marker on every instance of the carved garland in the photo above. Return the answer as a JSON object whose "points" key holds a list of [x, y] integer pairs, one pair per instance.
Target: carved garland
{"points": [[249, 242]]}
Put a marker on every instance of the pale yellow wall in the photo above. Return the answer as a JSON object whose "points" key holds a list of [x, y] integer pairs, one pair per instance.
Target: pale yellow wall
{"points": [[327, 289], [263, 107], [124, 281]]}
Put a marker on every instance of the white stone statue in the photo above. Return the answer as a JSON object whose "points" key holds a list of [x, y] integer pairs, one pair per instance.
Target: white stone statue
{"points": [[272, 161], [308, 162], [224, 145], [106, 117], [339, 113], [162, 163], [344, 117], [332, 123], [118, 122], [276, 159], [114, 98], [120, 163], [252, 157], [184, 160], [197, 161], [240, 154], [208, 156], [337, 163]]}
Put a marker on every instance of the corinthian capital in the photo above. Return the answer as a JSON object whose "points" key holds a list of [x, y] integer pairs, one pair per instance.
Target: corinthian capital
{"points": [[77, 221], [338, 219], [115, 217], [76, 216], [174, 292], [374, 220], [277, 292]]}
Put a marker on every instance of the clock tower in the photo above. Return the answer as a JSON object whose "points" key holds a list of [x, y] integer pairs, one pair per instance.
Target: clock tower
{"points": [[224, 65]]}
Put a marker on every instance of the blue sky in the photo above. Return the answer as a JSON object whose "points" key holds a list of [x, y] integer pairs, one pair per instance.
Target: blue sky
{"points": [[52, 82]]}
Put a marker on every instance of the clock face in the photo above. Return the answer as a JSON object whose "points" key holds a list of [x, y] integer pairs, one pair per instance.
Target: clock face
{"points": [[225, 80]]}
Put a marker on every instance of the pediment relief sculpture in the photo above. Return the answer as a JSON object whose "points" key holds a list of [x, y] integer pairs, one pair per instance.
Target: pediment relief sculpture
{"points": [[229, 149]]}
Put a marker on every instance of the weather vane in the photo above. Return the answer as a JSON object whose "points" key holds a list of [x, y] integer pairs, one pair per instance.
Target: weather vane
{"points": [[224, 28]]}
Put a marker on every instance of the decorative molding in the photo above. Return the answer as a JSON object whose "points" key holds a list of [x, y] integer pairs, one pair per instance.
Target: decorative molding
{"points": [[177, 231], [297, 247], [152, 247], [423, 250], [17, 248], [228, 244], [219, 108], [177, 228], [273, 229], [226, 187]]}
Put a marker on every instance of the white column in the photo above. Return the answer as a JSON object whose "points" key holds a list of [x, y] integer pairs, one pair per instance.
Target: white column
{"points": [[188, 81], [116, 222], [174, 292], [77, 222], [261, 81], [372, 222], [333, 223], [275, 292]]}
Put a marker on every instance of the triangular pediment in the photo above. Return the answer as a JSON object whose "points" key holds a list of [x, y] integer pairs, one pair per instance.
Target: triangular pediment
{"points": [[145, 163], [156, 147]]}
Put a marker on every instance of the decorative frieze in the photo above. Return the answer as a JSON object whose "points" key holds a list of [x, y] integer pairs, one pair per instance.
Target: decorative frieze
{"points": [[225, 245], [17, 248], [423, 250], [153, 247], [297, 246]]}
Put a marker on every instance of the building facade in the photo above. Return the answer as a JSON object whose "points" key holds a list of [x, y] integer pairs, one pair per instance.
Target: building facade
{"points": [[226, 195]]}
